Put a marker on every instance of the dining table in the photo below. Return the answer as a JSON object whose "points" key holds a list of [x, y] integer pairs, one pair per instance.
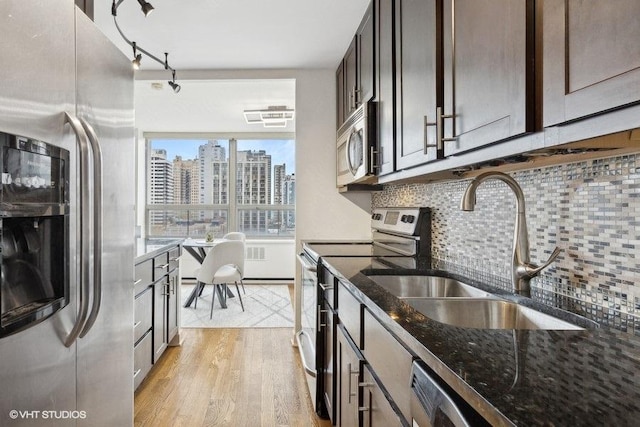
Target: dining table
{"points": [[198, 249]]}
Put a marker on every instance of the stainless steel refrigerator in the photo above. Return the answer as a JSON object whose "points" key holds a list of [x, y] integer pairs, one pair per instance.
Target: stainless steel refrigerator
{"points": [[63, 82]]}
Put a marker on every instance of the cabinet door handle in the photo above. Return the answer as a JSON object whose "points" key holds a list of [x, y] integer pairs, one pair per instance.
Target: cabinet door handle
{"points": [[372, 158], [165, 293], [427, 124], [135, 325], [161, 267], [137, 281], [363, 409], [440, 130], [351, 373], [325, 287], [135, 374], [320, 313]]}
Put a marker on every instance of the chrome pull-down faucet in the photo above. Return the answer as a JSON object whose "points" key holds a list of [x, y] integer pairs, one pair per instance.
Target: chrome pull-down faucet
{"points": [[522, 268]]}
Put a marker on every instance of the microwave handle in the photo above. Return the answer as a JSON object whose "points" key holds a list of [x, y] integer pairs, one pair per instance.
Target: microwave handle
{"points": [[97, 226], [85, 228]]}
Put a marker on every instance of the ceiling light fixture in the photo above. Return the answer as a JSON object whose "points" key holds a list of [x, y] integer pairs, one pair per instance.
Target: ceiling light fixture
{"points": [[175, 86], [146, 7], [137, 57], [273, 117]]}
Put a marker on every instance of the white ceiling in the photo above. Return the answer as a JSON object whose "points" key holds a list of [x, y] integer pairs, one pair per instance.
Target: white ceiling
{"points": [[237, 34], [228, 35], [210, 106]]}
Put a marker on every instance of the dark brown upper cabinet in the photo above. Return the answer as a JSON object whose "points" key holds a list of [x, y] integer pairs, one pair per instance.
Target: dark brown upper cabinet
{"points": [[418, 80], [385, 85], [350, 62], [489, 72], [340, 95], [591, 58], [366, 57], [356, 74]]}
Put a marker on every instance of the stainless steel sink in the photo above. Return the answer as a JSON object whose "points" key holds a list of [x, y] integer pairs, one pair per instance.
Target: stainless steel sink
{"points": [[427, 286], [482, 313]]}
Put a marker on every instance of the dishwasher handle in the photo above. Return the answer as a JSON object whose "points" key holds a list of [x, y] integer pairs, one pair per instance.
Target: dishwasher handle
{"points": [[430, 402]]}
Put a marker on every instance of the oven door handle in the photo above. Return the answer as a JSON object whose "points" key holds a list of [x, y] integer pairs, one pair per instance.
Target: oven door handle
{"points": [[307, 368], [86, 227], [97, 226], [305, 264]]}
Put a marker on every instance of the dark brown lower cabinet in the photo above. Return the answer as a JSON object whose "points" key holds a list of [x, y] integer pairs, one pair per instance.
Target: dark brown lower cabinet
{"points": [[349, 369], [376, 409]]}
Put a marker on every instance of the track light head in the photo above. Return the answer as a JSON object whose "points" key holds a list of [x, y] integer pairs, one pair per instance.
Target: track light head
{"points": [[146, 7], [136, 61], [175, 86]]}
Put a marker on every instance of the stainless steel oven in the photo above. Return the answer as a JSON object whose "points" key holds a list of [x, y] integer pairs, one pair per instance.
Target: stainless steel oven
{"points": [[401, 237], [356, 147], [306, 336]]}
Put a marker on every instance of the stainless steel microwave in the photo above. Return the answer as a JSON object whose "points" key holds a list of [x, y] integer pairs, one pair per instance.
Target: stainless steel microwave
{"points": [[356, 150]]}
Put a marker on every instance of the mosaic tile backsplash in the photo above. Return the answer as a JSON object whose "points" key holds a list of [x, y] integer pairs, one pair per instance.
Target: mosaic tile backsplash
{"points": [[588, 209]]}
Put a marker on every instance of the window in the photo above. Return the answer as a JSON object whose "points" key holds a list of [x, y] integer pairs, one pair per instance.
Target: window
{"points": [[190, 192]]}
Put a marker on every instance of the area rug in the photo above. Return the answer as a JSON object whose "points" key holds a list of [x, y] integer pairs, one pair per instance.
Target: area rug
{"points": [[265, 306]]}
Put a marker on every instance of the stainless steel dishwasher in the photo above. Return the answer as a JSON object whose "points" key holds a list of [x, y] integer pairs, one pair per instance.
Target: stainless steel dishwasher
{"points": [[433, 406]]}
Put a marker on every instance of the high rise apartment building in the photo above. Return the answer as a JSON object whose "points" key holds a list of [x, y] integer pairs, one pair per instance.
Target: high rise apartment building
{"points": [[253, 187], [279, 174], [214, 167], [289, 198], [186, 181], [160, 181]]}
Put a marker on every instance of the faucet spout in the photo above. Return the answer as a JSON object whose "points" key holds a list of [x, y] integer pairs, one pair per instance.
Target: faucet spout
{"points": [[522, 269]]}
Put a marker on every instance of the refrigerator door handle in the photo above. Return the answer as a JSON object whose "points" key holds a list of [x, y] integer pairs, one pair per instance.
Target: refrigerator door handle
{"points": [[85, 228], [97, 226]]}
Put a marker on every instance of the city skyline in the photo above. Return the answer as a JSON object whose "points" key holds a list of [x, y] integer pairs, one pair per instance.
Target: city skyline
{"points": [[282, 151]]}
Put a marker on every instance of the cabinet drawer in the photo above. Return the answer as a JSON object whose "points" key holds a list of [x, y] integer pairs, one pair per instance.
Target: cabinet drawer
{"points": [[143, 276], [174, 257], [142, 359], [350, 312], [143, 312], [160, 266], [380, 346]]}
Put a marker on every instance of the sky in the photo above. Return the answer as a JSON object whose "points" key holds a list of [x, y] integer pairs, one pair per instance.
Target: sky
{"points": [[282, 151]]}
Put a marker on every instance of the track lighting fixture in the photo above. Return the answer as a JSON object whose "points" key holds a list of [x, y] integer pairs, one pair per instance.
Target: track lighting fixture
{"points": [[137, 50], [146, 7], [175, 86], [137, 57]]}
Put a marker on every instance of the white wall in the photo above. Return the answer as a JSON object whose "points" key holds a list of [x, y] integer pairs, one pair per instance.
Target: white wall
{"points": [[268, 259]]}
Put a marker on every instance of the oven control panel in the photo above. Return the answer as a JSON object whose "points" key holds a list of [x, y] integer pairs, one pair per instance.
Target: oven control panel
{"points": [[404, 221]]}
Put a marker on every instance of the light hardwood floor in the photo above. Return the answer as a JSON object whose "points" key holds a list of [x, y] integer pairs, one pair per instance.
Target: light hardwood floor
{"points": [[227, 377]]}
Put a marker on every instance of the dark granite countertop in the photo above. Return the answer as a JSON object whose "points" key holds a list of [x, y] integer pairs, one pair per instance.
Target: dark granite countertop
{"points": [[149, 248], [525, 377]]}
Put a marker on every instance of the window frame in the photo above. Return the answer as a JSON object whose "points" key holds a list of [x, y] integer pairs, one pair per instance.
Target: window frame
{"points": [[233, 206]]}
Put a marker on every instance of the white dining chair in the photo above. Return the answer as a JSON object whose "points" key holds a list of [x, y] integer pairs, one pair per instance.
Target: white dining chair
{"points": [[224, 264], [236, 235]]}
